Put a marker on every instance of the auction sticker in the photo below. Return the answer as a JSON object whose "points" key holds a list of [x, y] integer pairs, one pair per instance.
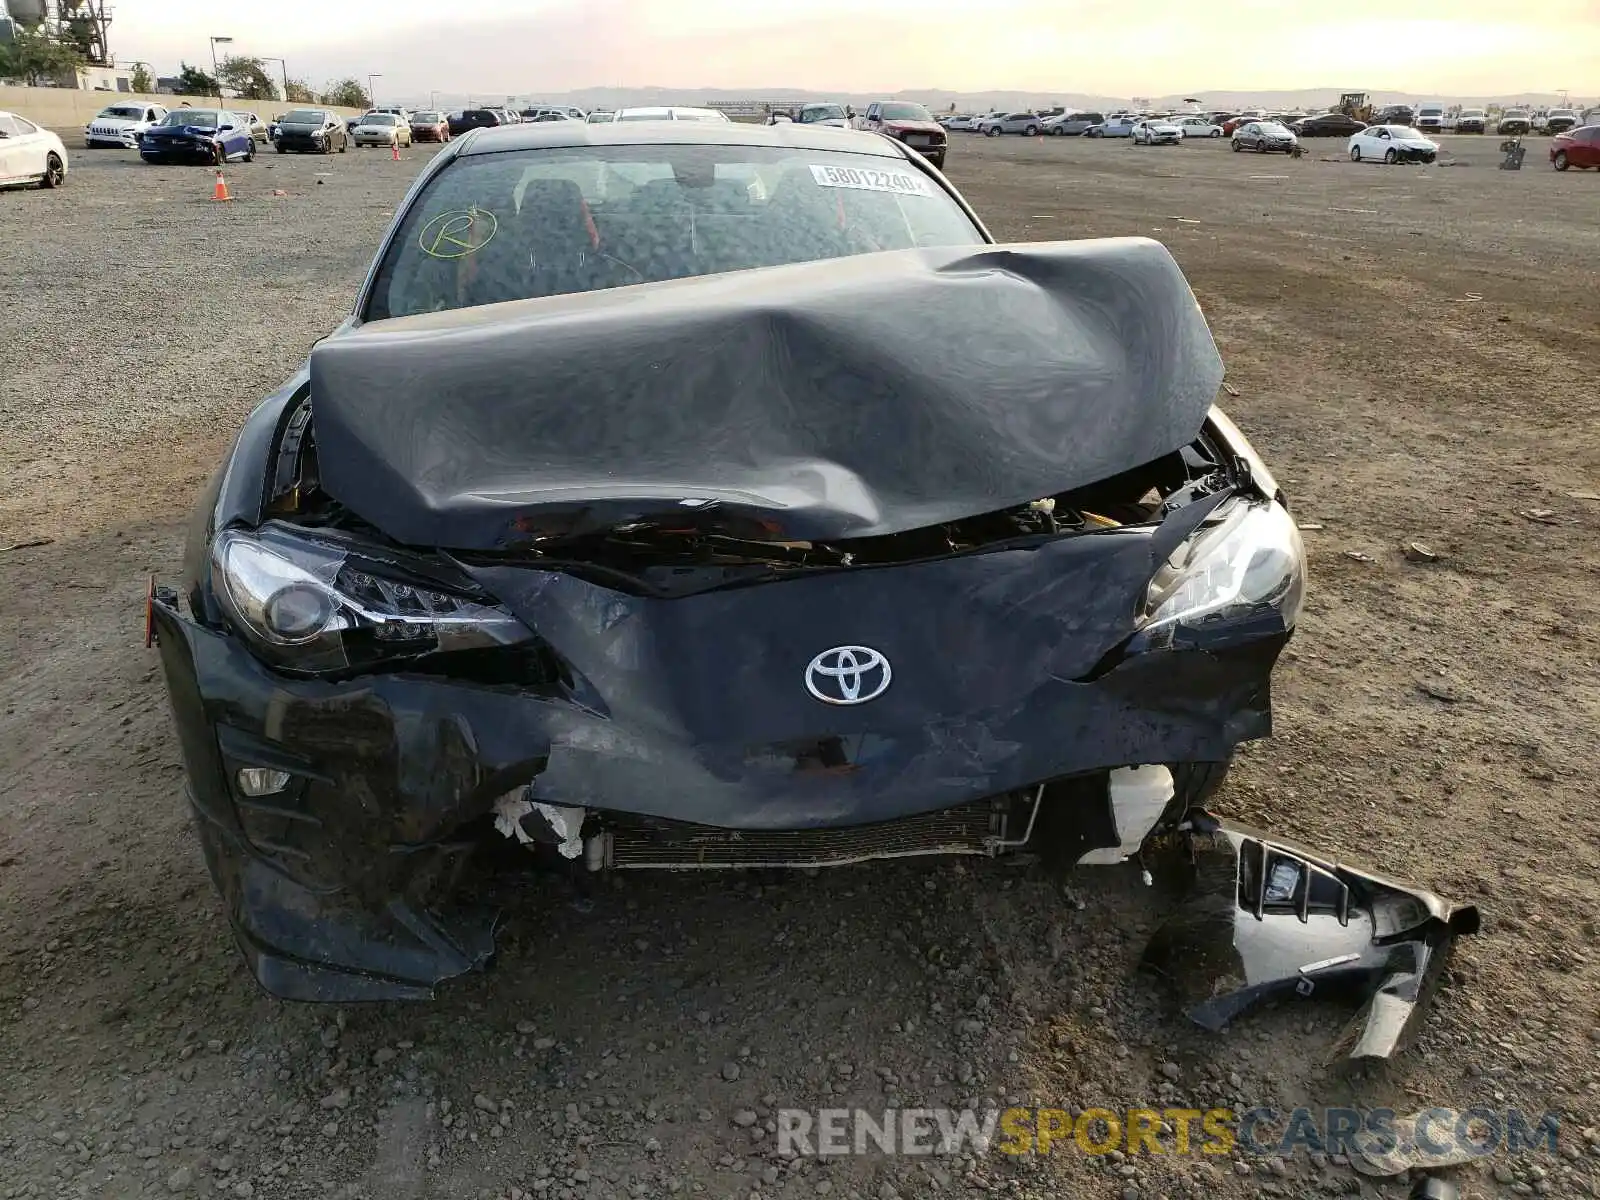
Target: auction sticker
{"points": [[867, 179]]}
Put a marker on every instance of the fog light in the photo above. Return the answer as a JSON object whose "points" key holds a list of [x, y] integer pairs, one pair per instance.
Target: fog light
{"points": [[262, 781]]}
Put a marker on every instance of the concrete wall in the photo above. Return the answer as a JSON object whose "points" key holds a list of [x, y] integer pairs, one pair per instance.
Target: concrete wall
{"points": [[67, 111]]}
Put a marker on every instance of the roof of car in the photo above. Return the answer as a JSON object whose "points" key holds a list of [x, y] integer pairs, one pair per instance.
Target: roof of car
{"points": [[556, 134]]}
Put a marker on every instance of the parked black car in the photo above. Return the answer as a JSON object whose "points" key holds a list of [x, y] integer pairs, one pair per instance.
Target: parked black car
{"points": [[1332, 124], [311, 131], [472, 118], [647, 527], [1394, 114]]}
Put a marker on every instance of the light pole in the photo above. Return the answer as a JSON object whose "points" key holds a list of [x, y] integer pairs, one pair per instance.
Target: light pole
{"points": [[431, 95], [214, 74], [372, 92], [285, 66]]}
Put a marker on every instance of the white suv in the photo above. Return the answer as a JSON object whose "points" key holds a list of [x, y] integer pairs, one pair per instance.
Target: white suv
{"points": [[121, 124]]}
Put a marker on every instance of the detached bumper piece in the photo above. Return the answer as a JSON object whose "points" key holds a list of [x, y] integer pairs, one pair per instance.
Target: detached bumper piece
{"points": [[1267, 918]]}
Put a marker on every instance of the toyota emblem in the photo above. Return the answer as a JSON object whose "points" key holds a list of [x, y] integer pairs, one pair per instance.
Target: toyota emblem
{"points": [[848, 675]]}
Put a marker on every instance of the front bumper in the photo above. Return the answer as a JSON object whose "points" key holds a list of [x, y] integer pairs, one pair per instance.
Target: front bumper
{"points": [[302, 143], [341, 886], [1267, 918], [178, 152], [120, 141], [375, 139], [1418, 156]]}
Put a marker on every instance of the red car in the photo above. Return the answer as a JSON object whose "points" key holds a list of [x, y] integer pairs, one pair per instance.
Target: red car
{"points": [[1576, 148], [429, 127], [909, 123]]}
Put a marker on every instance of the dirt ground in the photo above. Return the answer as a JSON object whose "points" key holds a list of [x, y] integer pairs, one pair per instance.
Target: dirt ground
{"points": [[1415, 353]]}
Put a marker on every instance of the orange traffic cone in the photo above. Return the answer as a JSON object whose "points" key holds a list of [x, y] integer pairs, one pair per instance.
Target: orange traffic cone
{"points": [[397, 152], [220, 191]]}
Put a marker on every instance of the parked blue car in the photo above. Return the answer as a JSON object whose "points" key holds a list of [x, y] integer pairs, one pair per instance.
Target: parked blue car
{"points": [[207, 135]]}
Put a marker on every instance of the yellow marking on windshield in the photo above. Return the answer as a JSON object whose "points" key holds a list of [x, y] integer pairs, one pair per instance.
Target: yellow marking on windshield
{"points": [[458, 233]]}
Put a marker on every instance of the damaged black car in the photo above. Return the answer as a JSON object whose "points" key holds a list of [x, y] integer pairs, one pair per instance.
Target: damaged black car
{"points": [[705, 496]]}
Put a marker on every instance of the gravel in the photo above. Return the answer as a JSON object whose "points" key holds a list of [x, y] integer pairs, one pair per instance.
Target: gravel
{"points": [[140, 1059]]}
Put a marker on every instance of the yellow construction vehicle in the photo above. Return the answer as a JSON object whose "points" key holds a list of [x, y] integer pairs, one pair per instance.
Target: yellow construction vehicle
{"points": [[1356, 105]]}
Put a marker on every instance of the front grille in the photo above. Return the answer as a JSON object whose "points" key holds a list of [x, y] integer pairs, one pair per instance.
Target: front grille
{"points": [[972, 829]]}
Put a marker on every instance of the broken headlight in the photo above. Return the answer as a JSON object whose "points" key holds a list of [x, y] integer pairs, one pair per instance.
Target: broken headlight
{"points": [[1247, 559], [314, 606]]}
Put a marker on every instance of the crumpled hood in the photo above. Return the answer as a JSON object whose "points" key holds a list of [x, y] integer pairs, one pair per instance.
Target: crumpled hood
{"points": [[846, 398]]}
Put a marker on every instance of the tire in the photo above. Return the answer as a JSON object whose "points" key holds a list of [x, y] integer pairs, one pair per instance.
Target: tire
{"points": [[1031, 131], [281, 150], [1390, 156], [1215, 133], [1236, 146], [1560, 160], [1261, 147], [344, 145], [992, 131], [1193, 783], [55, 172], [1355, 153], [218, 155], [250, 153]]}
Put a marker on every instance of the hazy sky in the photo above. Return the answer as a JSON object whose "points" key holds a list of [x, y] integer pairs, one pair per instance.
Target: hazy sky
{"points": [[1466, 48]]}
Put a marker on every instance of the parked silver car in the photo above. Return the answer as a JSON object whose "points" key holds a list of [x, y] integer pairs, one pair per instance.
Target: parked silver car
{"points": [[1117, 126], [1072, 124], [1026, 123]]}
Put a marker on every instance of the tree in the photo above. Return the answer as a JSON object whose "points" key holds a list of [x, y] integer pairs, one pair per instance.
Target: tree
{"points": [[346, 93], [141, 80], [34, 57], [192, 81], [248, 77], [299, 92]]}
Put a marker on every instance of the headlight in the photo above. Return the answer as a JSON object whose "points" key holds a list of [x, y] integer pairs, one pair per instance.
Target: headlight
{"points": [[316, 606], [1249, 559]]}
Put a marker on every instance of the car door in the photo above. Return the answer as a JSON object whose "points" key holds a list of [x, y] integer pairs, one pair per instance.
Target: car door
{"points": [[23, 150], [10, 142], [1585, 148]]}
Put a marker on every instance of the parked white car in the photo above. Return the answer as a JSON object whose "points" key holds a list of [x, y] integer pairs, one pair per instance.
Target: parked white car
{"points": [[672, 113], [1430, 118], [121, 124], [381, 129], [965, 123], [1199, 127], [1392, 144], [1157, 131], [30, 153]]}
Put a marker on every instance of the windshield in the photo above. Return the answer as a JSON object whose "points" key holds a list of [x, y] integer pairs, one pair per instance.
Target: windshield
{"points": [[196, 117], [302, 116], [904, 112], [547, 222], [425, 118], [821, 112], [378, 119], [1516, 114], [1472, 112], [126, 113], [647, 115], [1273, 129]]}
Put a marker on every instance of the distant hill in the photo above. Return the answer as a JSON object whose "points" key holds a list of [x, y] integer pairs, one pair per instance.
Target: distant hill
{"points": [[940, 100]]}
